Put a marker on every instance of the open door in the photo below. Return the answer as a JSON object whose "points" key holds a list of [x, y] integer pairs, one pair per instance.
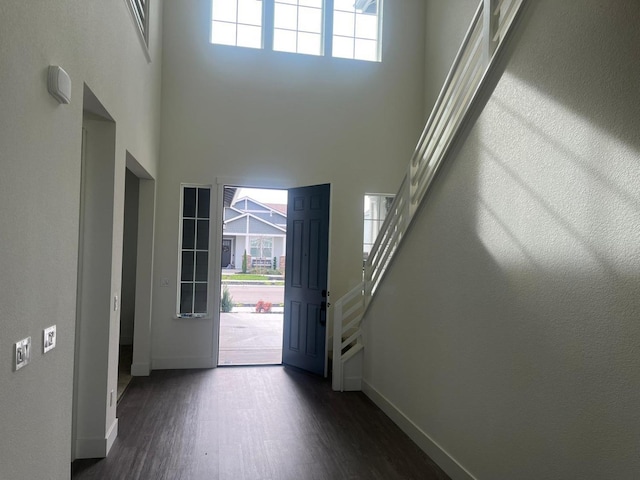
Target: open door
{"points": [[305, 289]]}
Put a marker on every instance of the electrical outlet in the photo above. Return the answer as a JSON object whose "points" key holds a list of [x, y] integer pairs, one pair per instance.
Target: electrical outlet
{"points": [[49, 338], [164, 282], [22, 355]]}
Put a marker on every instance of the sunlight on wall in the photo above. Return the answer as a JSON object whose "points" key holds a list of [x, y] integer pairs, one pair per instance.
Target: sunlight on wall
{"points": [[567, 198]]}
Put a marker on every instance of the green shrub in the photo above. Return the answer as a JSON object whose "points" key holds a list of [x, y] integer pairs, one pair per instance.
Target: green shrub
{"points": [[226, 305], [244, 262]]}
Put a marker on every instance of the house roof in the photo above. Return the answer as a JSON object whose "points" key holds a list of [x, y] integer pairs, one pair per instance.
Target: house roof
{"points": [[281, 207], [248, 224], [249, 217]]}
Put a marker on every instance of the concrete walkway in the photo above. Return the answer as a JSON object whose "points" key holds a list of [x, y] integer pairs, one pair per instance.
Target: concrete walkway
{"points": [[249, 338]]}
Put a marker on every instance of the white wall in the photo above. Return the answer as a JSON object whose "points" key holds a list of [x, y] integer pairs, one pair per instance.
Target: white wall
{"points": [[507, 328], [279, 120], [39, 196], [446, 23]]}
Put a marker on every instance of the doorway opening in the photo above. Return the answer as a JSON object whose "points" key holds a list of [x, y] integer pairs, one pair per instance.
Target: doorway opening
{"points": [[128, 283], [253, 259]]}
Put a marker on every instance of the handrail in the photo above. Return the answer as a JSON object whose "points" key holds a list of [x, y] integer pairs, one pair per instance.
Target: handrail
{"points": [[491, 24], [449, 79]]}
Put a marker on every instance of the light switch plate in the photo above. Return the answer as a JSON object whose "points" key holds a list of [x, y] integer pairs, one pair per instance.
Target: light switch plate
{"points": [[49, 338], [22, 353]]}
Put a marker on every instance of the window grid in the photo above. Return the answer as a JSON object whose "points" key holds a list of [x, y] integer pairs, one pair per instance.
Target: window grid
{"points": [[299, 31], [194, 251], [376, 207], [356, 38], [262, 247], [352, 31], [226, 18]]}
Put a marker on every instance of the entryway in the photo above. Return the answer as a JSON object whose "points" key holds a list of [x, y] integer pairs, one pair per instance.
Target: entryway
{"points": [[275, 248], [252, 277]]}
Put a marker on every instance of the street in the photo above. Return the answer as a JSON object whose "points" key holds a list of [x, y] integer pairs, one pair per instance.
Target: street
{"points": [[250, 294]]}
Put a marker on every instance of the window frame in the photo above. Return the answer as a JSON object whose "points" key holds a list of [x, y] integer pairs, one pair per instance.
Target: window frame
{"points": [[237, 24], [375, 221], [327, 36], [261, 239], [196, 250], [355, 37], [274, 28], [136, 8]]}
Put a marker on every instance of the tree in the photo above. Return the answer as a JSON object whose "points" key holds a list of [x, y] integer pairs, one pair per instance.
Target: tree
{"points": [[226, 305]]}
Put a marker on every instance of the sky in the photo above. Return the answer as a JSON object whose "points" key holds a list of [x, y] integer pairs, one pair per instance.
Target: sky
{"points": [[264, 195]]}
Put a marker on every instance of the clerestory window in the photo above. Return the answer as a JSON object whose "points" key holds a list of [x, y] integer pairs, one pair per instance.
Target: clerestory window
{"points": [[339, 28], [237, 23], [297, 26], [356, 29]]}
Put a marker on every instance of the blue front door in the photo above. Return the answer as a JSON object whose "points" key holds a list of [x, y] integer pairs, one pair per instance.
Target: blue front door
{"points": [[305, 290]]}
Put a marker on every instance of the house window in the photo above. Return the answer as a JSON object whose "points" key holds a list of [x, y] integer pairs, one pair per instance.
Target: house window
{"points": [[356, 29], [139, 10], [300, 26], [262, 248], [376, 208], [237, 23], [194, 251]]}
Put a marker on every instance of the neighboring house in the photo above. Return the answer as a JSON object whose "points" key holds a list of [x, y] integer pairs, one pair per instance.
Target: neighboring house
{"points": [[255, 228]]}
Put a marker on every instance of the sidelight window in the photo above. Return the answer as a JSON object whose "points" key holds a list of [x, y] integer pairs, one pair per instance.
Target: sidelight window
{"points": [[194, 251]]}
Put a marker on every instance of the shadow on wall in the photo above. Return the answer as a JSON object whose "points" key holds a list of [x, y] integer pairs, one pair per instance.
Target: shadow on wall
{"points": [[506, 328], [587, 60]]}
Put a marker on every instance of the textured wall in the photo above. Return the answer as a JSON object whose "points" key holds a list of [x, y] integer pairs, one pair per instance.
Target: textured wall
{"points": [[282, 120], [513, 342], [39, 200]]}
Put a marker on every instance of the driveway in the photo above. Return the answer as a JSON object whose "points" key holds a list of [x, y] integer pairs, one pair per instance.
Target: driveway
{"points": [[248, 338]]}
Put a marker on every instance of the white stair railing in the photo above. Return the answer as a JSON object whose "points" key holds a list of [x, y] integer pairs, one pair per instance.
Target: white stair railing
{"points": [[485, 37], [348, 311]]}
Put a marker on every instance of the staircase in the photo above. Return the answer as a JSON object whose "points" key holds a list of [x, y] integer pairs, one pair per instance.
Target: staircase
{"points": [[468, 78]]}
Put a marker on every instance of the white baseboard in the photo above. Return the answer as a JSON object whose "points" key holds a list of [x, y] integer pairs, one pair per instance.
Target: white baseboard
{"points": [[420, 437], [97, 447], [177, 363], [112, 433], [140, 369]]}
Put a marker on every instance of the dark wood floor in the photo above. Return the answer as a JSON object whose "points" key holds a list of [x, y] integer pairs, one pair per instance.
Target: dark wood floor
{"points": [[253, 423]]}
